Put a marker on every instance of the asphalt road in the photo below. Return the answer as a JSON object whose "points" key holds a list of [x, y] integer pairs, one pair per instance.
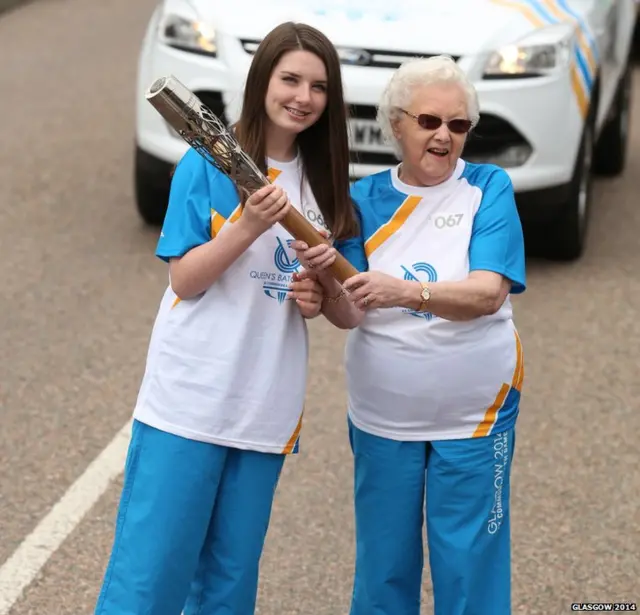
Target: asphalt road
{"points": [[78, 297]]}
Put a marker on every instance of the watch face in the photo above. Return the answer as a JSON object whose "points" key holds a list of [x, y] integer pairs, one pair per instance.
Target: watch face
{"points": [[425, 294]]}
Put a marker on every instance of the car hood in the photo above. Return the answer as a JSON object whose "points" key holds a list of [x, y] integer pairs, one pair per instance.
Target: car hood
{"points": [[454, 27]]}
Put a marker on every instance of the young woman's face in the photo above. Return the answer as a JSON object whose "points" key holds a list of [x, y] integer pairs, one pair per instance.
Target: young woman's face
{"points": [[297, 92]]}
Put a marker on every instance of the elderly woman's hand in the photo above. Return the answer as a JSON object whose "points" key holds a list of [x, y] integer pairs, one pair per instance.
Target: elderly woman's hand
{"points": [[374, 289]]}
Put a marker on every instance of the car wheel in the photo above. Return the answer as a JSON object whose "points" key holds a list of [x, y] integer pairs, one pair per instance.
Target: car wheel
{"points": [[611, 151], [152, 197], [567, 237]]}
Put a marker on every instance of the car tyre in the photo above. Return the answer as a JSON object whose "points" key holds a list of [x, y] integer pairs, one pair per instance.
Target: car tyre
{"points": [[567, 238], [611, 151], [152, 199]]}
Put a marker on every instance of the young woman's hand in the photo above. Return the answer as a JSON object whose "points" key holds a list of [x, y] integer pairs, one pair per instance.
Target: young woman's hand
{"points": [[307, 293], [318, 258], [264, 208]]}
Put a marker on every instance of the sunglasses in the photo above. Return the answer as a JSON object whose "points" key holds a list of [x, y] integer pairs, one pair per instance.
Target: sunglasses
{"points": [[433, 122]]}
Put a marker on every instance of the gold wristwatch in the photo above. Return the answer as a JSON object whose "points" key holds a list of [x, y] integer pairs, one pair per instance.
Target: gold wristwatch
{"points": [[425, 295]]}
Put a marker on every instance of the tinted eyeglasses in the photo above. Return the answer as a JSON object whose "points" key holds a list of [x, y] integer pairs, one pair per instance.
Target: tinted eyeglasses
{"points": [[433, 122]]}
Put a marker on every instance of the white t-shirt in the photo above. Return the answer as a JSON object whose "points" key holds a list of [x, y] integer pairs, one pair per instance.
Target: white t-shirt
{"points": [[414, 376], [230, 365]]}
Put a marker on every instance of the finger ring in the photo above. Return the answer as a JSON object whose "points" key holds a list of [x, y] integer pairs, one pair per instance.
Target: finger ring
{"points": [[365, 301]]}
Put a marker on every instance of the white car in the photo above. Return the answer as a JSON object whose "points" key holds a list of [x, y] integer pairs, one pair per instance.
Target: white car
{"points": [[553, 78]]}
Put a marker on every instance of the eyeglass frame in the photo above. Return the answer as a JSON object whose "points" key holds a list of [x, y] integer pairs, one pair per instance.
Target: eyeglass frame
{"points": [[447, 123]]}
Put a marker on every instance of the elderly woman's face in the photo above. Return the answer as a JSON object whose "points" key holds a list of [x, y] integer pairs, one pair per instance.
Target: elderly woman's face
{"points": [[430, 156]]}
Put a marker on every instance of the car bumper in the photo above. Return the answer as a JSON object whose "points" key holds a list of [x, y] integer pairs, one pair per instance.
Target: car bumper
{"points": [[534, 206]]}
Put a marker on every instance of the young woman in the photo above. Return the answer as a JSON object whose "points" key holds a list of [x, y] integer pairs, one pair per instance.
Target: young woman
{"points": [[220, 405]]}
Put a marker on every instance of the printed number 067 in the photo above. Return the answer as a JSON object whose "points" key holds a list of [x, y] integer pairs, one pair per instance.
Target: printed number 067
{"points": [[450, 220]]}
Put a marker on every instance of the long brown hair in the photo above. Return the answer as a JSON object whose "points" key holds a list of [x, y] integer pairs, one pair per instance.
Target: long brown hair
{"points": [[324, 147]]}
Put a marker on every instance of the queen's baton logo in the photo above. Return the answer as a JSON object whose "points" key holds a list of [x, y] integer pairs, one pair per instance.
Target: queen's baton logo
{"points": [[420, 272], [283, 260], [276, 284]]}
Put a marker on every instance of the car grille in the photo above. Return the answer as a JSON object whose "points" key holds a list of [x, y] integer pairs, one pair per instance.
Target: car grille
{"points": [[490, 138], [373, 58]]}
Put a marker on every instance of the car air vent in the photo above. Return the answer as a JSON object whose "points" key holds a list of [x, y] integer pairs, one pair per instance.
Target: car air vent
{"points": [[213, 100], [249, 45], [490, 138]]}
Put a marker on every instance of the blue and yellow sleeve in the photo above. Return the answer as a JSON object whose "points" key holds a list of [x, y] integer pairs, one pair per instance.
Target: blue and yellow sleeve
{"points": [[353, 248], [497, 242], [187, 223]]}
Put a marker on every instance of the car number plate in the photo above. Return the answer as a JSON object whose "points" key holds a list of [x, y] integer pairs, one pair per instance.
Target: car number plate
{"points": [[366, 136]]}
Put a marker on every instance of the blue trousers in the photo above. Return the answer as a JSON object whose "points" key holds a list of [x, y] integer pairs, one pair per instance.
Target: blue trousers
{"points": [[464, 487], [190, 528]]}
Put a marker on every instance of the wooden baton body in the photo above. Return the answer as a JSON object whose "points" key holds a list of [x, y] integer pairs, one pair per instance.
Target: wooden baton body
{"points": [[301, 229]]}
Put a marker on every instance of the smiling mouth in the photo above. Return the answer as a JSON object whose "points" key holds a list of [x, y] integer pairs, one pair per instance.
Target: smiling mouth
{"points": [[441, 152], [297, 113]]}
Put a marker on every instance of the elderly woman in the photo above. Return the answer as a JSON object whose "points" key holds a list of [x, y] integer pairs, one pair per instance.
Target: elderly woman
{"points": [[434, 362]]}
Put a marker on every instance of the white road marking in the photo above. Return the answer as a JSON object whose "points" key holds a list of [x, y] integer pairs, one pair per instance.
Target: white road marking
{"points": [[19, 571]]}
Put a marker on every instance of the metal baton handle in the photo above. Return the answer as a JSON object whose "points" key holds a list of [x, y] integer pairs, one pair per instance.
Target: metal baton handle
{"points": [[208, 135]]}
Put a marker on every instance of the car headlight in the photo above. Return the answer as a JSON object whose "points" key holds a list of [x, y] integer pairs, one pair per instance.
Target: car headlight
{"points": [[533, 57], [188, 35]]}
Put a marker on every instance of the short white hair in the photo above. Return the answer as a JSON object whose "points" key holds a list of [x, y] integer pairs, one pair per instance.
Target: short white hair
{"points": [[415, 73]]}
